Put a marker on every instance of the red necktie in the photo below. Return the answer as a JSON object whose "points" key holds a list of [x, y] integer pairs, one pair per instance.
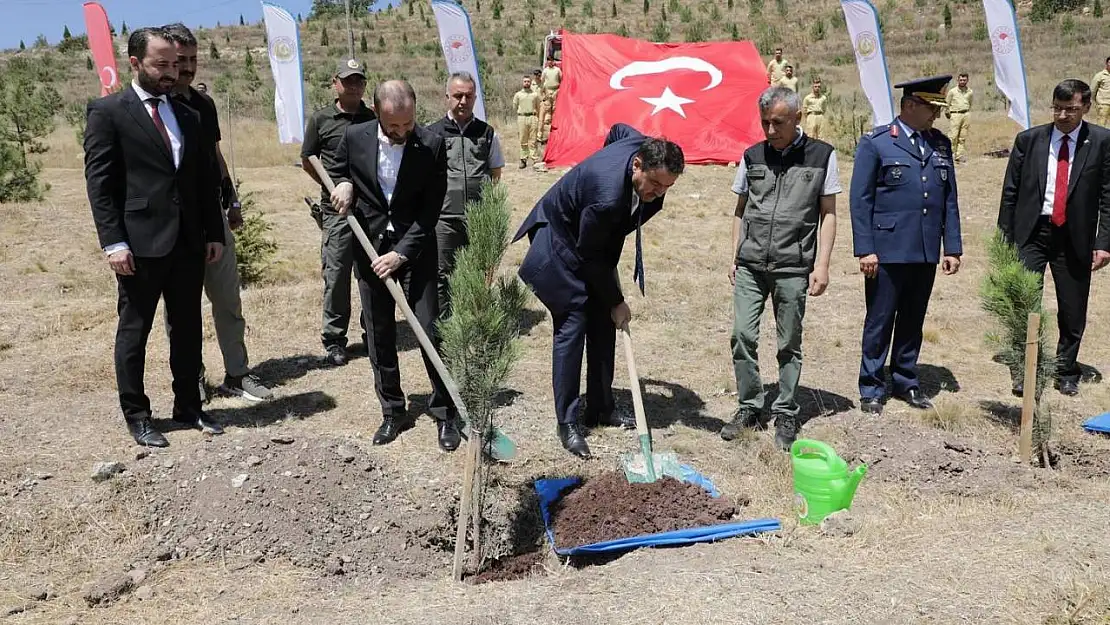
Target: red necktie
{"points": [[1060, 196], [157, 117]]}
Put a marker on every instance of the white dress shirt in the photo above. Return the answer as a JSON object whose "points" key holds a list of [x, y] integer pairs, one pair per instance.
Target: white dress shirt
{"points": [[1053, 161], [177, 143], [389, 164]]}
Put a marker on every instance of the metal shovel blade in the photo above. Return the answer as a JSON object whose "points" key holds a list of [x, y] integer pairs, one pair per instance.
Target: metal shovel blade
{"points": [[638, 470]]}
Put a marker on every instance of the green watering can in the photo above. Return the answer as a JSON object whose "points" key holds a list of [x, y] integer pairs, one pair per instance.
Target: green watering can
{"points": [[822, 483]]}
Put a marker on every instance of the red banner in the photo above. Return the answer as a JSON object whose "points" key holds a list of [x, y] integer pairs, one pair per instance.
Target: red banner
{"points": [[101, 46], [702, 96]]}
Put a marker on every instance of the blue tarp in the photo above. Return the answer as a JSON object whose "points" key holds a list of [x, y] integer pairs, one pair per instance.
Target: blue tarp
{"points": [[551, 490], [1100, 423]]}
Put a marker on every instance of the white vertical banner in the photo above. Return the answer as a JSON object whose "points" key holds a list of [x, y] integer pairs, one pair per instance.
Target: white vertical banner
{"points": [[1009, 69], [867, 40], [284, 47], [457, 39]]}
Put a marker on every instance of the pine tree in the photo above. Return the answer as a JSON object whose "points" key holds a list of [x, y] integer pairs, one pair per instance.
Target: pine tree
{"points": [[562, 8], [613, 9], [664, 13], [404, 39], [22, 46], [381, 42], [253, 248], [123, 30], [241, 21], [622, 30], [496, 10], [734, 32], [730, 4], [249, 61], [227, 37], [65, 33], [411, 10], [362, 43], [88, 63], [27, 108], [947, 17], [324, 37], [1097, 10], [213, 51], [647, 7], [300, 20], [421, 11]]}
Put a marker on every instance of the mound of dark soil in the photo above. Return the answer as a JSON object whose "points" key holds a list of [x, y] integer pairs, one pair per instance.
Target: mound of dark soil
{"points": [[319, 503], [607, 507], [515, 567]]}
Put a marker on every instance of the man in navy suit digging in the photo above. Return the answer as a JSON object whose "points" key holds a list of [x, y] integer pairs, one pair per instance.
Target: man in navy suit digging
{"points": [[577, 232]]}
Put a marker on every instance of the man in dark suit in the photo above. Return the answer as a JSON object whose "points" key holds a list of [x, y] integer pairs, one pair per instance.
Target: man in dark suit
{"points": [[393, 175], [153, 190], [1056, 209], [904, 207], [577, 232]]}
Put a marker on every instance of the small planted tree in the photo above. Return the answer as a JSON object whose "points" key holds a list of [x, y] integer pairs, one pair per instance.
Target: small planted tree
{"points": [[480, 333], [947, 16], [213, 51], [362, 44], [1009, 293], [254, 249]]}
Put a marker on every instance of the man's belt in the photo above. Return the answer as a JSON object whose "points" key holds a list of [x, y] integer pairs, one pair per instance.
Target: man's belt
{"points": [[526, 114]]}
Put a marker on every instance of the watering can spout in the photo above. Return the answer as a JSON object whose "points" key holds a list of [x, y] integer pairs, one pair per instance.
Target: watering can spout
{"points": [[854, 478]]}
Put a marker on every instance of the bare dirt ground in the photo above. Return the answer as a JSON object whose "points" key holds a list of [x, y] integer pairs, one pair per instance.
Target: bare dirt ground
{"points": [[326, 528]]}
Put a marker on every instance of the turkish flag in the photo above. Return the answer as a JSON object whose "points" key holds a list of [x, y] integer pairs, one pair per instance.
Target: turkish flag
{"points": [[702, 96], [100, 44]]}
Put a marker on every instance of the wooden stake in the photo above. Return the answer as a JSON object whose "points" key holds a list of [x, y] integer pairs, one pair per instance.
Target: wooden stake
{"points": [[474, 444], [1029, 403]]}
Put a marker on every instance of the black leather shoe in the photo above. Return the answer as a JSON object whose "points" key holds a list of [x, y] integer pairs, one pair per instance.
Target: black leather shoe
{"points": [[871, 406], [615, 419], [1068, 387], [571, 438], [390, 429], [199, 420], [916, 399], [449, 437], [142, 430], [1018, 389]]}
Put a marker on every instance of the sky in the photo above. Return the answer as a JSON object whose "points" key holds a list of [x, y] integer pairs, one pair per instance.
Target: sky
{"points": [[25, 19]]}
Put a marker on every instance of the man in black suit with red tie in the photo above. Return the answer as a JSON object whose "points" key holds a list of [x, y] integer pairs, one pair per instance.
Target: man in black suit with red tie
{"points": [[153, 189], [1056, 209], [393, 176]]}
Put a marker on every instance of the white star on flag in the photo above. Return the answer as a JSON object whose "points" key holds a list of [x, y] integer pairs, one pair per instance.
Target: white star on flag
{"points": [[668, 101]]}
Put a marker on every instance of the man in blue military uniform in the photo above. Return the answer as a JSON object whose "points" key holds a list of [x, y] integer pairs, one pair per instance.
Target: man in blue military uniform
{"points": [[904, 207], [576, 233]]}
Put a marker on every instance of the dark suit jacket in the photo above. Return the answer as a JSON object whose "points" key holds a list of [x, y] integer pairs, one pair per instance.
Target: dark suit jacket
{"points": [[577, 229], [417, 197], [136, 194], [1088, 209]]}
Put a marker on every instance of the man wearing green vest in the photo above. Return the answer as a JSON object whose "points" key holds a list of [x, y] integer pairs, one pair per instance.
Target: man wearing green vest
{"points": [[473, 157]]}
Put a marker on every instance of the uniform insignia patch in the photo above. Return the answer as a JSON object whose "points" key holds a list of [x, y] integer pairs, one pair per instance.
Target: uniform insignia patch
{"points": [[944, 174], [808, 176], [896, 173]]}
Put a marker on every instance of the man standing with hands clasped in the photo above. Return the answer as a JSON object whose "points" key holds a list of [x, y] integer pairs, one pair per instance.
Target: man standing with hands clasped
{"points": [[904, 207], [782, 240], [153, 186], [1056, 209]]}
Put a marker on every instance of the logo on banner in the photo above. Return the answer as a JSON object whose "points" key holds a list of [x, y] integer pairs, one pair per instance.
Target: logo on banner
{"points": [[457, 49], [668, 99], [108, 76], [283, 49], [1003, 40], [866, 45]]}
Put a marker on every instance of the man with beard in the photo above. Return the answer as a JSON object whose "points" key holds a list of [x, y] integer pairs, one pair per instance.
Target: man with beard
{"points": [[221, 279], [153, 189], [322, 133], [393, 176]]}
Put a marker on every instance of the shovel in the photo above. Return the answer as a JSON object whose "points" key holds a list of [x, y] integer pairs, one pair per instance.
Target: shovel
{"points": [[646, 466], [500, 447]]}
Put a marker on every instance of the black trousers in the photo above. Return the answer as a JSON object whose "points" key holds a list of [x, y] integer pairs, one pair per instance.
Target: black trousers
{"points": [[590, 327], [1052, 246], [178, 280], [418, 280], [451, 236]]}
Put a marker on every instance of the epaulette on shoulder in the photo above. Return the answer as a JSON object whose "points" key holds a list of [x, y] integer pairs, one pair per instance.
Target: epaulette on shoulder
{"points": [[878, 131]]}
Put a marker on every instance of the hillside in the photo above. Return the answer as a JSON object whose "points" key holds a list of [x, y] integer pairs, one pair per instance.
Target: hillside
{"points": [[403, 42]]}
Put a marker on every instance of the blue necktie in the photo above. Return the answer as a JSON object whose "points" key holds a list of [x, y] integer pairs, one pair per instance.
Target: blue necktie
{"points": [[638, 272]]}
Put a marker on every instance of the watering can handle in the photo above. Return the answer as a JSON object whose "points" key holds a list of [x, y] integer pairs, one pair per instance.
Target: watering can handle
{"points": [[803, 443]]}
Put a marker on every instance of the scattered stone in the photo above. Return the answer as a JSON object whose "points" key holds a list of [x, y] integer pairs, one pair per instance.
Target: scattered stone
{"points": [[283, 440], [16, 609], [246, 561], [239, 480], [167, 463], [43, 476], [106, 590], [39, 594], [345, 454], [161, 553], [189, 545], [142, 453], [334, 566], [144, 593], [253, 461], [72, 620], [957, 447], [106, 470], [138, 576], [840, 524]]}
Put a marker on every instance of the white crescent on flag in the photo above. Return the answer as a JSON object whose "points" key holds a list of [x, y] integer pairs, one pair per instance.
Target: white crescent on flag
{"points": [[643, 68]]}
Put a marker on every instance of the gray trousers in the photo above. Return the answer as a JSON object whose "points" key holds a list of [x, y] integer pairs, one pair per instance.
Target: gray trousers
{"points": [[221, 285], [788, 298], [337, 259], [451, 236]]}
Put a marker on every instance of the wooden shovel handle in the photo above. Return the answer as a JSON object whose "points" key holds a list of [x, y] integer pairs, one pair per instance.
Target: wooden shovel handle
{"points": [[634, 383]]}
